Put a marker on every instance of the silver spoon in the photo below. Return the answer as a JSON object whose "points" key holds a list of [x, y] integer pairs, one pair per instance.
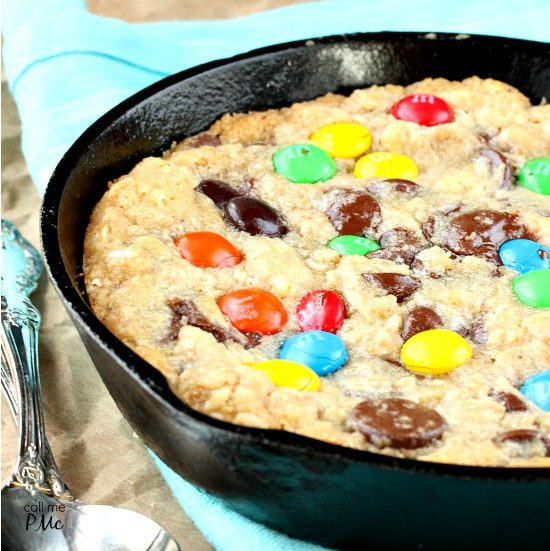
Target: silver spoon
{"points": [[38, 510]]}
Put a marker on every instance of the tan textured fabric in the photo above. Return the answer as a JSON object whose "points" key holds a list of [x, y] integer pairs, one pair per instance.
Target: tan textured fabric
{"points": [[96, 450]]}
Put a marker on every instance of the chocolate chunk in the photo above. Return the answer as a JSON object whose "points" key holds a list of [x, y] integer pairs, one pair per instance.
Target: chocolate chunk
{"points": [[400, 245], [482, 232], [395, 254], [394, 184], [187, 309], [543, 254], [397, 423], [354, 213], [205, 139], [399, 285], [418, 265], [512, 403], [428, 228], [248, 184], [524, 436], [478, 332], [420, 319], [254, 216], [218, 191], [253, 337], [498, 159]]}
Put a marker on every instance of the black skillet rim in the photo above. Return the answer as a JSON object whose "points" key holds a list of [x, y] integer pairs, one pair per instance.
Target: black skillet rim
{"points": [[138, 368]]}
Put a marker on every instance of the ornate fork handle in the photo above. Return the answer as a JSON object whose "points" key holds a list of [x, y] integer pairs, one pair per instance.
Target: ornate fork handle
{"points": [[35, 468]]}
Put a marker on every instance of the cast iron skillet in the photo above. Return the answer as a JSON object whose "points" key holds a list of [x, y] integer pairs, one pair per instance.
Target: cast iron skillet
{"points": [[306, 488]]}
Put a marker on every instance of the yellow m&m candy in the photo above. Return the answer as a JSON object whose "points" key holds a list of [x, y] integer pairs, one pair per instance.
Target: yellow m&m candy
{"points": [[435, 352], [342, 139], [386, 165], [289, 374]]}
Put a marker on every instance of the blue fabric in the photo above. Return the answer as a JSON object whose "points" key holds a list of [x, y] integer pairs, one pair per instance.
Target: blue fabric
{"points": [[66, 68]]}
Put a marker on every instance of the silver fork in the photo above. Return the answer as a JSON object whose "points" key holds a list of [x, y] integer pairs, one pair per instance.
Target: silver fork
{"points": [[38, 510]]}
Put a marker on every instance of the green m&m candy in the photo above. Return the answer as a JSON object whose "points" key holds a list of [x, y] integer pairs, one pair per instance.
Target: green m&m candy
{"points": [[352, 244], [533, 288], [304, 164], [535, 175]]}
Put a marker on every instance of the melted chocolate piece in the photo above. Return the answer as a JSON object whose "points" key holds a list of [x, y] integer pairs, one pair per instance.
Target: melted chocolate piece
{"points": [[512, 403], [354, 213], [482, 232], [543, 254], [395, 254], [400, 245], [187, 309], [397, 423], [428, 228], [218, 191], [399, 285], [419, 266], [205, 139], [452, 209], [248, 184], [498, 159], [254, 216], [420, 319], [394, 184], [478, 332], [524, 436]]}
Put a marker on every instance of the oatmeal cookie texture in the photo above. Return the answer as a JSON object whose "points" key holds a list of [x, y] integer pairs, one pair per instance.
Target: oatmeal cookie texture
{"points": [[208, 260]]}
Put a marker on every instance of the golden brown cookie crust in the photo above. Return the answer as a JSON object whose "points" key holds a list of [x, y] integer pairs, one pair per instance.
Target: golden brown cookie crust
{"points": [[133, 270]]}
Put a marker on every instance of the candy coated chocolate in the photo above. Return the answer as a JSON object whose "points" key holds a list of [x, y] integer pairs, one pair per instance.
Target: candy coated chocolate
{"points": [[254, 310], [206, 249], [537, 389], [524, 255], [397, 423], [423, 109], [435, 352], [344, 140], [321, 351], [535, 175], [384, 164], [254, 216], [351, 244], [304, 164], [354, 213], [399, 285], [321, 310], [289, 374], [420, 319], [220, 192], [533, 288]]}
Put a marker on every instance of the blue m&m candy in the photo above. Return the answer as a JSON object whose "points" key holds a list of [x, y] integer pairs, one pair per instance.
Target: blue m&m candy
{"points": [[322, 352], [537, 389], [525, 255]]}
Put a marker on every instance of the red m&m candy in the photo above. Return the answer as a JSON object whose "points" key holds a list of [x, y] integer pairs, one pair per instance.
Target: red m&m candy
{"points": [[321, 311], [423, 109], [206, 249], [252, 310]]}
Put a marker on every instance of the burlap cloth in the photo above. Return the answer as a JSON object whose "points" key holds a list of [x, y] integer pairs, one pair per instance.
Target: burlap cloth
{"points": [[96, 450]]}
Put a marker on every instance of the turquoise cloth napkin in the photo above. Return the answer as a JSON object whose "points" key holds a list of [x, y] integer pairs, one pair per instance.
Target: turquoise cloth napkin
{"points": [[66, 68]]}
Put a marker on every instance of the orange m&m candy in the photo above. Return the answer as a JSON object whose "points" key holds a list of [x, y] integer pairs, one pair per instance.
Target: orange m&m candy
{"points": [[252, 310], [206, 249]]}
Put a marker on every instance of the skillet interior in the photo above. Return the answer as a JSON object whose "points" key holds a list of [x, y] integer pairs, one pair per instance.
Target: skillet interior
{"points": [[309, 489]]}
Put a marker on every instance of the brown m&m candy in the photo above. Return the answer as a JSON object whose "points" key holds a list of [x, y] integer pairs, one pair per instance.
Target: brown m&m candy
{"points": [[217, 190], [254, 216], [397, 423]]}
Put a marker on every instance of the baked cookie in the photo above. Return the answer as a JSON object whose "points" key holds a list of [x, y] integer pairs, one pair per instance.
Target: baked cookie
{"points": [[371, 271]]}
